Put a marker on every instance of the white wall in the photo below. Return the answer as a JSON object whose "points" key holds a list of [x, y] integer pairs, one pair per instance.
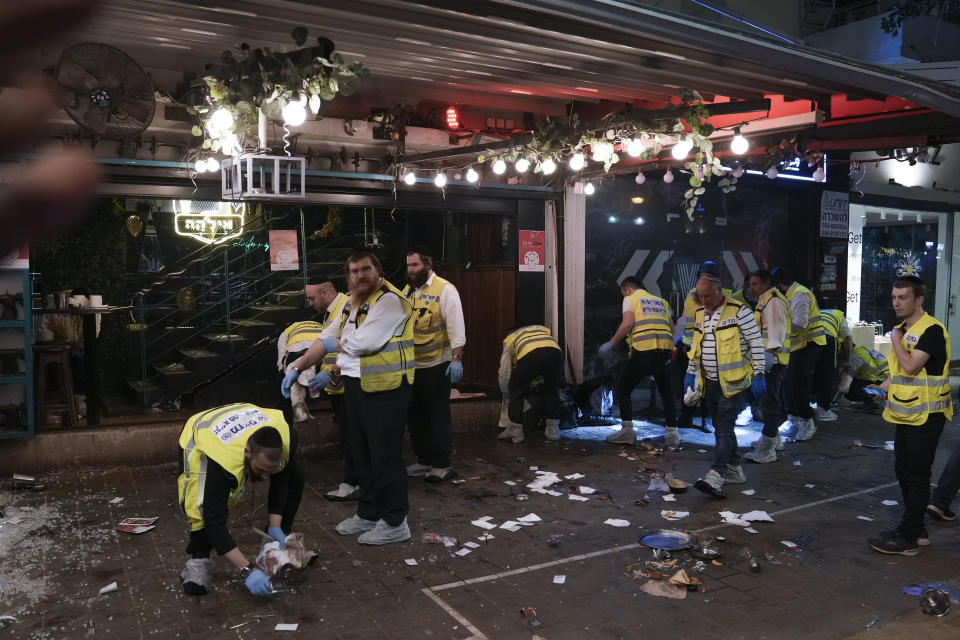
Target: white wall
{"points": [[916, 182]]}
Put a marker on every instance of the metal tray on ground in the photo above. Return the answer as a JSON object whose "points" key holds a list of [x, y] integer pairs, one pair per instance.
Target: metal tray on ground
{"points": [[669, 539]]}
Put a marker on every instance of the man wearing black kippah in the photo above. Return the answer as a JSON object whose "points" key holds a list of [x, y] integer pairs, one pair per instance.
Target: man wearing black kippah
{"points": [[221, 449]]}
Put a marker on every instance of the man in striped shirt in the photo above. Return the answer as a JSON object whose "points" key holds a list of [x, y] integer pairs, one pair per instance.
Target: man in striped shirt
{"points": [[726, 361]]}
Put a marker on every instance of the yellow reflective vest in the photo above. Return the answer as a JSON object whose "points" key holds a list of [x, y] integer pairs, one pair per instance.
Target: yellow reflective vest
{"points": [[526, 339], [395, 362], [734, 369], [783, 353], [875, 367], [221, 435], [832, 320], [813, 332], [690, 304], [651, 322], [430, 328], [911, 399], [330, 359]]}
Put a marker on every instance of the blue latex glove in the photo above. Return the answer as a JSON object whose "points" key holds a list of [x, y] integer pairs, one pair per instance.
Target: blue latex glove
{"points": [[604, 349], [319, 381], [258, 583], [329, 345], [287, 383], [758, 387], [689, 382], [455, 371], [277, 534]]}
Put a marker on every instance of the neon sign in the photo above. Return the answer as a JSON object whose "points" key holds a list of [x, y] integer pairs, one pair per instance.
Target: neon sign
{"points": [[211, 227]]}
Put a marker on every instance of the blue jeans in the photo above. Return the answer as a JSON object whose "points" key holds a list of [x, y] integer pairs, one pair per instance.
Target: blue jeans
{"points": [[949, 483], [723, 412]]}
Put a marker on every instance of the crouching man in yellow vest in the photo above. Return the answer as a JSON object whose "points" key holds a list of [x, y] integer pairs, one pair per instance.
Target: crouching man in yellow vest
{"points": [[918, 403], [649, 332], [221, 451], [726, 363], [529, 353], [373, 339]]}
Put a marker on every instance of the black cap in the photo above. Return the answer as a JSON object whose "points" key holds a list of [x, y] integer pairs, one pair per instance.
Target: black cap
{"points": [[710, 269], [778, 276]]}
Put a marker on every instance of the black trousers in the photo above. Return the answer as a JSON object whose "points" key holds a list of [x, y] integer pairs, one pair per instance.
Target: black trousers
{"points": [[825, 374], [428, 417], [200, 547], [639, 365], [678, 371], [914, 448], [800, 378], [770, 402], [857, 393], [376, 422], [350, 474], [546, 362]]}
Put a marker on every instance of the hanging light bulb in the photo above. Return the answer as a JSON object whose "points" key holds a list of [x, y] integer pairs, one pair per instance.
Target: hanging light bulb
{"points": [[635, 147], [668, 176], [440, 180], [522, 165], [772, 172], [819, 175], [410, 178], [472, 175], [739, 145], [499, 166], [213, 165], [200, 166], [589, 189], [548, 166], [602, 151], [640, 179], [577, 161], [221, 119], [681, 148], [737, 171], [294, 114]]}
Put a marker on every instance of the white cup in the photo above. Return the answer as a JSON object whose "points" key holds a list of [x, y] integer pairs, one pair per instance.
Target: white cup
{"points": [[96, 301]]}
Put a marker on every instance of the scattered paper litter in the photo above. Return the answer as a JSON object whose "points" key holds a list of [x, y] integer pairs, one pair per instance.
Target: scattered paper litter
{"points": [[663, 589], [463, 552], [674, 515], [868, 519], [511, 526], [789, 543], [116, 501], [616, 522], [530, 517], [701, 450], [796, 463], [574, 496], [485, 536], [622, 454], [286, 626], [658, 484], [543, 480], [13, 520], [484, 523], [411, 562], [457, 480], [890, 503], [750, 530], [551, 492], [136, 525], [471, 544], [559, 579], [110, 587], [669, 497], [749, 492], [534, 468], [809, 486], [888, 445], [587, 490], [757, 516], [510, 482], [574, 476]]}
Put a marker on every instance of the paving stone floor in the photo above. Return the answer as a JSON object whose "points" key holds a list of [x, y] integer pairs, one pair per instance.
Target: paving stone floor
{"points": [[56, 559]]}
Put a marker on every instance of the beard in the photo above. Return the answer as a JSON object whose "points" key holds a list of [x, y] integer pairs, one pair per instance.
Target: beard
{"points": [[362, 290], [418, 279]]}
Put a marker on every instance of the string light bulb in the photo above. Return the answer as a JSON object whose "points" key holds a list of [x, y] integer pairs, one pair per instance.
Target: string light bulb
{"points": [[440, 180], [819, 175], [772, 172], [213, 164], [682, 148], [200, 166], [410, 178], [522, 165], [635, 147], [577, 161], [668, 176], [739, 145], [589, 189], [221, 119], [472, 175], [640, 179], [293, 113], [499, 166], [548, 166]]}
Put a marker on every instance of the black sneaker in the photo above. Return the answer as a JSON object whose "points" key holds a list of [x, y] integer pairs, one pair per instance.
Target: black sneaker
{"points": [[895, 546], [940, 514], [923, 540]]}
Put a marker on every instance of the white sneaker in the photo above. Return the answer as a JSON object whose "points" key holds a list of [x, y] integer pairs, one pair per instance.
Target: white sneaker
{"points": [[355, 524], [825, 415], [745, 418], [513, 433], [626, 435], [807, 428], [552, 430], [384, 533], [671, 438], [734, 475], [790, 426], [344, 492], [764, 450]]}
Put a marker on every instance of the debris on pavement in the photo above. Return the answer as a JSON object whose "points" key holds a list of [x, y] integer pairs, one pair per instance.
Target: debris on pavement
{"points": [[559, 579], [24, 481], [674, 515], [436, 538], [809, 486], [658, 484], [749, 492], [935, 602], [116, 500], [286, 626], [410, 562], [528, 612], [867, 518], [136, 525], [664, 589], [471, 544], [890, 503], [669, 497], [873, 621], [107, 589], [462, 552], [529, 519], [294, 554], [616, 522], [5, 620], [484, 523], [574, 496]]}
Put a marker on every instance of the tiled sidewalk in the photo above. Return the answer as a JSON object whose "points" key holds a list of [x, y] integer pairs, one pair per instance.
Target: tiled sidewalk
{"points": [[832, 589]]}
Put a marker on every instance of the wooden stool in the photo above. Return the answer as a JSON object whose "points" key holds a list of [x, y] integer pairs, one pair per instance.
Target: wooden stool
{"points": [[60, 398]]}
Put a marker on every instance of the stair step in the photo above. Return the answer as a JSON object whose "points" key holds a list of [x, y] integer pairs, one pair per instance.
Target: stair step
{"points": [[251, 322], [199, 354], [224, 338]]}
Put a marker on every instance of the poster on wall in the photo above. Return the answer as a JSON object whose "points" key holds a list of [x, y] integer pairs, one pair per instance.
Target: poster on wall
{"points": [[19, 259], [531, 250], [284, 253], [834, 214]]}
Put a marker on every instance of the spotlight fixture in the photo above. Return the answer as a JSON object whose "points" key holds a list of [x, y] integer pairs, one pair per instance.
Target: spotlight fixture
{"points": [[440, 180], [452, 117], [410, 178], [637, 199], [577, 161], [739, 145]]}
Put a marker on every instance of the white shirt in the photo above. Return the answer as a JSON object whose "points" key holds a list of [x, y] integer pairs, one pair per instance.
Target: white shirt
{"points": [[800, 307], [385, 320], [451, 312], [751, 343], [774, 317]]}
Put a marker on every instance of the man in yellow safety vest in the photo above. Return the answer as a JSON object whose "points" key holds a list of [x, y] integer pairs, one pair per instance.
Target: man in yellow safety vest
{"points": [[918, 403], [838, 337], [530, 353]]}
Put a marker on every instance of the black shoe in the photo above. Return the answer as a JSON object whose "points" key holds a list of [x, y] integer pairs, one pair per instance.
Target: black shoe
{"points": [[940, 514], [194, 589], [703, 486], [923, 539], [894, 546]]}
